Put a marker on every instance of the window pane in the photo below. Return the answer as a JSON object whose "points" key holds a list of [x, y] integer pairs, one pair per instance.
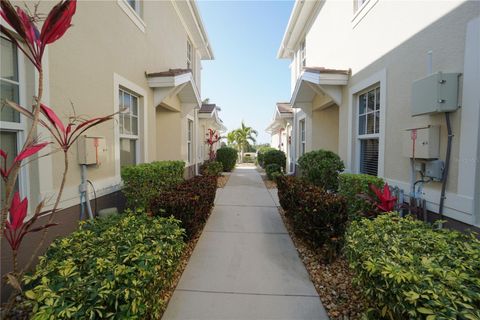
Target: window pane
{"points": [[120, 100], [128, 151], [371, 101], [362, 102], [134, 125], [126, 102], [369, 156], [8, 91], [377, 99], [9, 60], [362, 124], [377, 121], [127, 128], [8, 141], [135, 105], [120, 120], [370, 123]]}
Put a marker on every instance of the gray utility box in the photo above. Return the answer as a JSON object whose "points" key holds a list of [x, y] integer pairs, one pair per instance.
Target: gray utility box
{"points": [[436, 93]]}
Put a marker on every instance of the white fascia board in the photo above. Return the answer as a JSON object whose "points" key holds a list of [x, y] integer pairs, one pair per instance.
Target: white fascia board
{"points": [[192, 22], [180, 82], [328, 83]]}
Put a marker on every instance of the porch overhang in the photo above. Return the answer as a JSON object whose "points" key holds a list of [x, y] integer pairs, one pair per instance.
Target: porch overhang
{"points": [[210, 112], [319, 81], [174, 82], [283, 115]]}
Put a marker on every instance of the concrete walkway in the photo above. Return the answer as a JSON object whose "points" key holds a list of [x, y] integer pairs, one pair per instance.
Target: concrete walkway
{"points": [[245, 265]]}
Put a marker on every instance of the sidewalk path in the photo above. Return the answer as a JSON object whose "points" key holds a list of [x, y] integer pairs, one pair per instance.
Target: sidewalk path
{"points": [[245, 265]]}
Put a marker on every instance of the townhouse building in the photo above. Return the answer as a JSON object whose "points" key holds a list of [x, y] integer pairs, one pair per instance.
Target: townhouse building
{"points": [[139, 59], [369, 80], [208, 119]]}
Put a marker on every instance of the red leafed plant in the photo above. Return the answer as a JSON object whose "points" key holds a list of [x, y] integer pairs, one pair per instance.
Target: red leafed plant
{"points": [[212, 138], [384, 199], [24, 32]]}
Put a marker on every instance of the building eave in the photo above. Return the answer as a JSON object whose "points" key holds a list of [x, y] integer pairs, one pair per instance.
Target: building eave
{"points": [[182, 84]]}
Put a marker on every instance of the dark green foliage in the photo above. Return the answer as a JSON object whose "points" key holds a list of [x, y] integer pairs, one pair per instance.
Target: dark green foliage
{"points": [[410, 270], [271, 169], [228, 157], [142, 182], [211, 168], [321, 167], [317, 215], [112, 268], [260, 152], [190, 202], [351, 186], [275, 156]]}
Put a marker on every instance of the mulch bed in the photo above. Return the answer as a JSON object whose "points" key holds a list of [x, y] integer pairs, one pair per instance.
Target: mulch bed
{"points": [[268, 183], [333, 282], [222, 180]]}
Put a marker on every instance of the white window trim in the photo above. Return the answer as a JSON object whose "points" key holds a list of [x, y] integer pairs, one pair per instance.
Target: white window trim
{"points": [[20, 127], [132, 14], [362, 11], [300, 140], [353, 152], [119, 83], [190, 142]]}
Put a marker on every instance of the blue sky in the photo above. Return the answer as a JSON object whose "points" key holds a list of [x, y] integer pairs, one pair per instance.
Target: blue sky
{"points": [[246, 79]]}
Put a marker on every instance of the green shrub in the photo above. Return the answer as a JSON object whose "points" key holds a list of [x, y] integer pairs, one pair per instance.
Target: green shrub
{"points": [[321, 167], [260, 152], [317, 215], [142, 182], [112, 268], [211, 168], [228, 157], [352, 185], [410, 270], [275, 156], [190, 202], [271, 169]]}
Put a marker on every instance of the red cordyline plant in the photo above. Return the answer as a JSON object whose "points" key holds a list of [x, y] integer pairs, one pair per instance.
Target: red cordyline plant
{"points": [[212, 138], [14, 222], [384, 200]]}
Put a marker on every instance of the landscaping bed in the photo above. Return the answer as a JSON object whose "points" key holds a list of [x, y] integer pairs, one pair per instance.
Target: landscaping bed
{"points": [[333, 282], [222, 180]]}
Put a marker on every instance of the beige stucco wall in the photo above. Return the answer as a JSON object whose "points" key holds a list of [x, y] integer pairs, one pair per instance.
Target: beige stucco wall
{"points": [[325, 129], [104, 44]]}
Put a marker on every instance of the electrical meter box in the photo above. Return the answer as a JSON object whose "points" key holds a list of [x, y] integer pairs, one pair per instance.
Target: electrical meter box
{"points": [[91, 150], [436, 93], [426, 140]]}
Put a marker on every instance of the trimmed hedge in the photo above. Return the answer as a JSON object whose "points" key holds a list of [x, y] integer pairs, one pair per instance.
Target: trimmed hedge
{"points": [[260, 152], [228, 157], [211, 168], [317, 215], [190, 202], [351, 186], [275, 157], [271, 169], [321, 167], [112, 268], [142, 182], [410, 270]]}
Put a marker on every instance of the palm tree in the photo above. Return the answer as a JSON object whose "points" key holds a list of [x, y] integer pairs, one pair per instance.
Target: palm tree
{"points": [[243, 136], [231, 139]]}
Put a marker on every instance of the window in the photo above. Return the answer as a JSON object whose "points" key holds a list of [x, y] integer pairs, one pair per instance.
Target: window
{"points": [[190, 141], [190, 56], [302, 137], [11, 133], [303, 55], [128, 123], [136, 6], [369, 130]]}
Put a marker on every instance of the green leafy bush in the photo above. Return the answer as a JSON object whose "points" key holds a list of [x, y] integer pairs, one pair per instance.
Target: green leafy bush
{"points": [[275, 156], [321, 167], [411, 271], [190, 202], [317, 215], [112, 268], [260, 152], [351, 186], [142, 182], [211, 168], [271, 169], [228, 157]]}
